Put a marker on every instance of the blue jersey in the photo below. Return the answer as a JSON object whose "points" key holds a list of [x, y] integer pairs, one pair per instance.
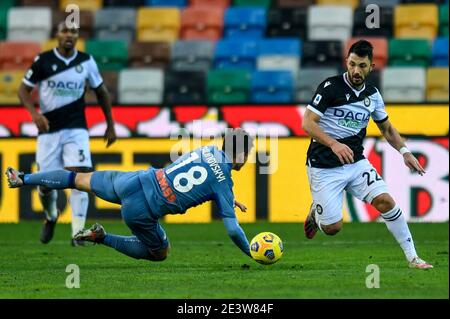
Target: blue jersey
{"points": [[194, 178]]}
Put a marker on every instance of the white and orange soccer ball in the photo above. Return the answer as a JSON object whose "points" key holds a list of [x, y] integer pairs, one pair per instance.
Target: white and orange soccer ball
{"points": [[266, 248]]}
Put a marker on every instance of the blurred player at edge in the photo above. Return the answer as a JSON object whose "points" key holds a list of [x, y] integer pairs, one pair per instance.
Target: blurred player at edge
{"points": [[63, 141], [336, 120], [147, 195]]}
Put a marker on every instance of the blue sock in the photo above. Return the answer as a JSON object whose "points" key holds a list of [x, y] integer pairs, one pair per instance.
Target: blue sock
{"points": [[128, 245], [58, 179]]}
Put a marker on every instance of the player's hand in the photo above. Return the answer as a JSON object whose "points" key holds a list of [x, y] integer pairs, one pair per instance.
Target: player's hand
{"points": [[241, 206], [343, 152], [110, 135], [41, 122], [413, 164]]}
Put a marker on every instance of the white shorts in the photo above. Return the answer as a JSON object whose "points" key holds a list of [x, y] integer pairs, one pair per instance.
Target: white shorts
{"points": [[328, 184], [64, 148]]}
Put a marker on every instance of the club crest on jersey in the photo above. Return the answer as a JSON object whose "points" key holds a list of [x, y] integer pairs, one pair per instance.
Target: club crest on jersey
{"points": [[79, 68], [317, 99], [366, 101], [54, 67]]}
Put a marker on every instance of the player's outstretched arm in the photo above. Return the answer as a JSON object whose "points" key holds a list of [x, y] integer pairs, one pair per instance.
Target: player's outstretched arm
{"points": [[391, 135], [103, 99], [237, 234]]}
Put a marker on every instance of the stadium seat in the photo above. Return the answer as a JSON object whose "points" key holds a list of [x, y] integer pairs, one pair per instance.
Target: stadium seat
{"points": [[3, 23], [17, 55], [86, 22], [351, 3], [279, 54], [380, 3], [374, 79], [228, 86], [437, 85], [439, 52], [416, 21], [380, 50], [89, 5], [307, 81], [294, 3], [166, 3], [409, 52], [235, 54], [141, 86], [244, 22], [213, 3], [149, 54], [123, 3], [115, 24], [288, 22], [272, 87], [201, 23], [194, 56], [185, 88], [9, 86], [29, 24], [7, 4], [330, 22], [158, 24], [424, 1], [252, 3], [385, 23], [110, 79], [443, 20], [322, 54], [39, 3], [403, 84], [53, 43], [109, 55]]}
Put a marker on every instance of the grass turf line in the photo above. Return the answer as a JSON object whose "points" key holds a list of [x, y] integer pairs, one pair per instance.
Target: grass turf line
{"points": [[204, 263]]}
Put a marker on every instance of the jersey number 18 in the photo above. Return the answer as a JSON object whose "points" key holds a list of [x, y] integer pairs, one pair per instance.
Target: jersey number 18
{"points": [[188, 176]]}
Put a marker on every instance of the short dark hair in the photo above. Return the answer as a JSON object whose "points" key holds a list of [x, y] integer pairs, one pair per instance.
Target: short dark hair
{"points": [[362, 48], [237, 141]]}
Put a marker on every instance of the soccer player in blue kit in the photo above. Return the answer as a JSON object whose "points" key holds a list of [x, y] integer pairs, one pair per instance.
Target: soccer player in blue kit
{"points": [[147, 195]]}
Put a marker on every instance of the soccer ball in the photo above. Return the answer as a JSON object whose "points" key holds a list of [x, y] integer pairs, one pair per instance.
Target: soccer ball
{"points": [[266, 248]]}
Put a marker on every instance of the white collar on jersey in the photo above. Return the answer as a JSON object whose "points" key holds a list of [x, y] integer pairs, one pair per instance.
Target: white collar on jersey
{"points": [[354, 90], [65, 60]]}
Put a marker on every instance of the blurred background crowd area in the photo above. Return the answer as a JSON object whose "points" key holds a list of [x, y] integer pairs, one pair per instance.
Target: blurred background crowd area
{"points": [[234, 51]]}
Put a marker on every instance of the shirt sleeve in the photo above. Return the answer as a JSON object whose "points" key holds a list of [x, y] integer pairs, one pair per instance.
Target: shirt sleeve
{"points": [[94, 77], [322, 98], [237, 234], [33, 75], [379, 114], [225, 201]]}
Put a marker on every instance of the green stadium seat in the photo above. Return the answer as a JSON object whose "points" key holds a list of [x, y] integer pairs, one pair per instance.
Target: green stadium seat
{"points": [[109, 55], [253, 3], [443, 20], [6, 4], [409, 52], [3, 23], [228, 86]]}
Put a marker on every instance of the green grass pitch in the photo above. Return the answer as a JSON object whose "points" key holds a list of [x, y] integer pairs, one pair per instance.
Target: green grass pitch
{"points": [[204, 263]]}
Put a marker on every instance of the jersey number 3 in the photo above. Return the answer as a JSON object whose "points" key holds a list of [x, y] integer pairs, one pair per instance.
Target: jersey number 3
{"points": [[188, 178]]}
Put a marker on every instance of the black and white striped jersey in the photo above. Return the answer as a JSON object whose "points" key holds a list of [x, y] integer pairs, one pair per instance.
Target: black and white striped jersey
{"points": [[345, 114], [61, 83]]}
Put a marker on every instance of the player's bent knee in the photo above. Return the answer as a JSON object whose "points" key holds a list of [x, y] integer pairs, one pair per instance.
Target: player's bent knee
{"points": [[383, 202], [159, 255]]}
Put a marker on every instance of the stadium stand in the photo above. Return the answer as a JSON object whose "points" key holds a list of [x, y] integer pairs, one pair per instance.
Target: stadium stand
{"points": [[110, 78], [403, 84], [9, 86], [141, 86], [272, 87], [437, 84], [228, 86], [149, 54], [202, 40], [192, 56]]}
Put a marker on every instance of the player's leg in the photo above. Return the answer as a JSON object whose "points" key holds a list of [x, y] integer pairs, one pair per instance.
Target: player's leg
{"points": [[77, 158], [48, 157], [327, 187], [369, 187]]}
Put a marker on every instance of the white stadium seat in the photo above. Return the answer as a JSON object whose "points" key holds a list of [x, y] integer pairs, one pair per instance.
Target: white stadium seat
{"points": [[141, 86], [279, 63], [330, 22], [403, 84], [29, 24]]}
